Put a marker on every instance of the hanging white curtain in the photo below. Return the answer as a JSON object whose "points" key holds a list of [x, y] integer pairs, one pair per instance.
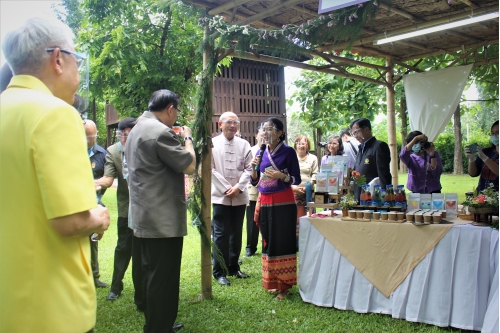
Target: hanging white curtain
{"points": [[433, 96]]}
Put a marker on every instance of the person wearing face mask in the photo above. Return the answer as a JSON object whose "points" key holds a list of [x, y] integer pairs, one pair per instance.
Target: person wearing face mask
{"points": [[423, 162], [97, 156], [485, 164]]}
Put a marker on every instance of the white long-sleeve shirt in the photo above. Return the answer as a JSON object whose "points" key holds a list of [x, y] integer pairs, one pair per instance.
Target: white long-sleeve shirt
{"points": [[231, 166]]}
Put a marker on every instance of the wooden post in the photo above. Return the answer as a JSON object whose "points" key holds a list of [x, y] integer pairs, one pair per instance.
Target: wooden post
{"points": [[458, 166], [391, 120], [206, 185]]}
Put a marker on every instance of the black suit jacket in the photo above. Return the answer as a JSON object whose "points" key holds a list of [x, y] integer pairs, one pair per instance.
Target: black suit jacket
{"points": [[374, 161]]}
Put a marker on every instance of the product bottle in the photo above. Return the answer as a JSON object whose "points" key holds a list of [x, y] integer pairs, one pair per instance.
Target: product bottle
{"points": [[389, 195], [401, 190], [362, 197], [376, 197], [368, 196]]}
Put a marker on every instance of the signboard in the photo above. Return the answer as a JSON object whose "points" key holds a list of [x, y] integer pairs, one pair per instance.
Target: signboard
{"points": [[330, 5]]}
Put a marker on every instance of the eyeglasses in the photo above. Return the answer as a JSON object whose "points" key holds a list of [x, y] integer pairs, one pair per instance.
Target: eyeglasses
{"points": [[79, 57], [231, 122], [300, 144], [268, 129], [354, 133], [333, 143], [123, 134]]}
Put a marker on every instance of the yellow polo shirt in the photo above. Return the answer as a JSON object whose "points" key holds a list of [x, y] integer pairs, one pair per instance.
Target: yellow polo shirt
{"points": [[45, 280]]}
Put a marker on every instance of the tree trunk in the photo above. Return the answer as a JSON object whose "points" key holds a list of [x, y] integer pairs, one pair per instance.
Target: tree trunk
{"points": [[404, 129], [317, 140], [458, 166]]}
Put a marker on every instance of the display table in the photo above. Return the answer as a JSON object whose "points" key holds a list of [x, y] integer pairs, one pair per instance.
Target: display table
{"points": [[455, 284]]}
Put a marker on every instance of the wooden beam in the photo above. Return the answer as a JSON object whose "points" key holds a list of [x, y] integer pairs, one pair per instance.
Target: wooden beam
{"points": [[414, 27], [268, 12], [227, 6], [296, 64], [399, 12], [391, 121], [464, 36], [430, 54], [206, 190], [470, 4], [305, 10], [351, 61]]}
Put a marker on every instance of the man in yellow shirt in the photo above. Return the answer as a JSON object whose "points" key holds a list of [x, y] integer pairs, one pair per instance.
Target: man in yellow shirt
{"points": [[47, 194]]}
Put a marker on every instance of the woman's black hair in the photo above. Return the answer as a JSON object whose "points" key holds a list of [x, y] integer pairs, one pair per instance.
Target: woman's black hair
{"points": [[278, 124], [340, 151], [412, 135], [494, 124]]}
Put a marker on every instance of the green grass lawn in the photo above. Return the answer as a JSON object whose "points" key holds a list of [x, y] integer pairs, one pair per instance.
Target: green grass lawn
{"points": [[244, 306]]}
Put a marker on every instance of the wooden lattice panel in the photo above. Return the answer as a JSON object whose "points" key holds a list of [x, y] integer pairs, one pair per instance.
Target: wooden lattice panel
{"points": [[254, 91]]}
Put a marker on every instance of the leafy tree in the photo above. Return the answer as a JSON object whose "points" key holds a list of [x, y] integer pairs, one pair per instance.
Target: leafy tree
{"points": [[138, 47]]}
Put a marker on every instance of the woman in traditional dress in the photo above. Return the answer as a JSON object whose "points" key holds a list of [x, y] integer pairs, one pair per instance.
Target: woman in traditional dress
{"points": [[308, 164], [334, 147], [276, 211]]}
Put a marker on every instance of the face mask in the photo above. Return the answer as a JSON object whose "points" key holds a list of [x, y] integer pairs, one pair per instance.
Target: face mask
{"points": [[494, 140], [416, 148]]}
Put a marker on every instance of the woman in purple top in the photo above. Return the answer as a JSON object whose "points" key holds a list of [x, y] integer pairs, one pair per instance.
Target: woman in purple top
{"points": [[424, 164], [276, 211], [335, 147]]}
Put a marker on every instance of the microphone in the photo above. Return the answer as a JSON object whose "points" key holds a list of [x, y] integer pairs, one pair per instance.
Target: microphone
{"points": [[262, 149]]}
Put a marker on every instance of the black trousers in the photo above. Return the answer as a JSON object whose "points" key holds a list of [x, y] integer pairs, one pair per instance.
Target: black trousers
{"points": [[94, 261], [137, 274], [252, 229], [161, 262], [227, 228], [123, 254]]}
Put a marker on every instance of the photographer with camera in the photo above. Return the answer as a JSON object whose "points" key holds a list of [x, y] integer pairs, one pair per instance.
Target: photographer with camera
{"points": [[484, 162], [423, 162]]}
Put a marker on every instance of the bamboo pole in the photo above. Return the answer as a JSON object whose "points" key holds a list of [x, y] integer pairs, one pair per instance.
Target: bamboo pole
{"points": [[206, 186], [391, 120]]}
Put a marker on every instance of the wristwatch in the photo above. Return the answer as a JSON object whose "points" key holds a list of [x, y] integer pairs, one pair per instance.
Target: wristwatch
{"points": [[188, 138]]}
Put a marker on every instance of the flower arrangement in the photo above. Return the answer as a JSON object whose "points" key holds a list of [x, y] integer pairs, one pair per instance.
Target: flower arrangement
{"points": [[487, 198], [358, 178], [483, 203], [347, 201]]}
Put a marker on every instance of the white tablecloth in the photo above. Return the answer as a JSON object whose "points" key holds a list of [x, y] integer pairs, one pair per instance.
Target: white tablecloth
{"points": [[456, 284]]}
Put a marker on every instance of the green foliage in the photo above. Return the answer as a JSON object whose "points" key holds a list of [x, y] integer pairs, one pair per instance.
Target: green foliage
{"points": [[138, 47], [293, 40]]}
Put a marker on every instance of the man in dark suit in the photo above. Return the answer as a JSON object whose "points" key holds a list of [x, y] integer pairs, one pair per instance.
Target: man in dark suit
{"points": [[374, 156], [156, 163]]}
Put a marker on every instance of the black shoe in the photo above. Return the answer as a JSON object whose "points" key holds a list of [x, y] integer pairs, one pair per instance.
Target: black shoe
{"points": [[249, 254], [240, 275], [100, 284], [177, 327], [223, 281], [112, 296]]}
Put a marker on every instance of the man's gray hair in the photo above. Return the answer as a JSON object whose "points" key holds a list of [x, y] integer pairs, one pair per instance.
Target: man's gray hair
{"points": [[226, 115], [24, 48]]}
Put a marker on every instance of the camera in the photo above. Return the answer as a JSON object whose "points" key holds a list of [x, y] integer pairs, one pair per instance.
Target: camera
{"points": [[426, 145], [323, 144]]}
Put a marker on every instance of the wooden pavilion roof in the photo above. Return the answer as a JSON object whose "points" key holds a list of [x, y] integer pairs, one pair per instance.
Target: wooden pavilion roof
{"points": [[396, 17]]}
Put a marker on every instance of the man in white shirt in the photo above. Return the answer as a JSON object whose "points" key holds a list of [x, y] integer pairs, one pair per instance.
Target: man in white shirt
{"points": [[350, 146], [231, 158]]}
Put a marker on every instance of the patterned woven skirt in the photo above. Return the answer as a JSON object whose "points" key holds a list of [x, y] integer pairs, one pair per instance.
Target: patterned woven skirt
{"points": [[277, 216]]}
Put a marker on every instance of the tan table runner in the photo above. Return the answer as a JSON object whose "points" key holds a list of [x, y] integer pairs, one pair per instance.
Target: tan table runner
{"points": [[385, 253]]}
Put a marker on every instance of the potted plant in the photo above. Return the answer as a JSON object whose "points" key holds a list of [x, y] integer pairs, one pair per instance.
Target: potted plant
{"points": [[347, 202], [483, 204]]}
